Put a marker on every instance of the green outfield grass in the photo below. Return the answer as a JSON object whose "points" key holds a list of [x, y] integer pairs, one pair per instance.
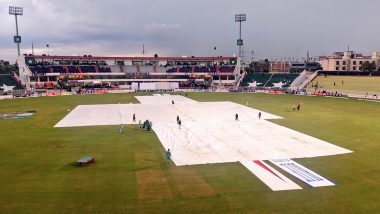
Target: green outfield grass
{"points": [[130, 174], [351, 84]]}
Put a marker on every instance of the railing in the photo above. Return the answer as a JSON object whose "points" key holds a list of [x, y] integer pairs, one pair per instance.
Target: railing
{"points": [[308, 80], [298, 81], [24, 72], [241, 79], [16, 77]]}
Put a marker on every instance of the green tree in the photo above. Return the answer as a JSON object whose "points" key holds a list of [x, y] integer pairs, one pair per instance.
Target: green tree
{"points": [[368, 66], [7, 68]]}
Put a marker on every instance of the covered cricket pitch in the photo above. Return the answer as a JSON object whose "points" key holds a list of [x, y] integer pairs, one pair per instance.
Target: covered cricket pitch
{"points": [[209, 132]]}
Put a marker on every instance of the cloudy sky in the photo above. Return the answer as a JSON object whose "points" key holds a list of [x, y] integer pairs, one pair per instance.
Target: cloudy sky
{"points": [[274, 28]]}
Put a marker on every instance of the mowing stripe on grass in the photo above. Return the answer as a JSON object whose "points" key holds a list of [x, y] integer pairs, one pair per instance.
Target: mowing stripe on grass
{"points": [[188, 180], [152, 185]]}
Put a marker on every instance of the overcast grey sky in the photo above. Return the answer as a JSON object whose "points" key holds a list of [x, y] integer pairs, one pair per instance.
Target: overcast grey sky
{"points": [[274, 28]]}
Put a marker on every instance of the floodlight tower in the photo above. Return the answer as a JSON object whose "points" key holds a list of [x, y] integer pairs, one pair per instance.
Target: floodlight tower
{"points": [[16, 11], [240, 18]]}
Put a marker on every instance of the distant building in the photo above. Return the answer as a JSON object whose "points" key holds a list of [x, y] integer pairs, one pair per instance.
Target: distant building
{"points": [[261, 66], [297, 67], [280, 66], [3, 63], [348, 61], [283, 66]]}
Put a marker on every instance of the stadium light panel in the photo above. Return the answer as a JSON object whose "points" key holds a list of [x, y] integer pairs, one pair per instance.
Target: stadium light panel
{"points": [[240, 18], [15, 10]]}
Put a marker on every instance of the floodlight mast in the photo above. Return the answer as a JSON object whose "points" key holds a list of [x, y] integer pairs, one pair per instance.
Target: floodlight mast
{"points": [[16, 11], [240, 18]]}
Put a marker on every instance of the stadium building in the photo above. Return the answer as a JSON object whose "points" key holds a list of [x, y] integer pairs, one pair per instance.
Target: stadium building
{"points": [[136, 73]]}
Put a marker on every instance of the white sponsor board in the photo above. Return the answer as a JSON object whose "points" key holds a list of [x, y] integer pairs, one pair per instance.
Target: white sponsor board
{"points": [[135, 86], [271, 177], [162, 86], [304, 174], [147, 86], [174, 85]]}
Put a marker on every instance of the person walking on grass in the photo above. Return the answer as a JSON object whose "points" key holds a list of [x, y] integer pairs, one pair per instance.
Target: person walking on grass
{"points": [[121, 128], [140, 125], [168, 155]]}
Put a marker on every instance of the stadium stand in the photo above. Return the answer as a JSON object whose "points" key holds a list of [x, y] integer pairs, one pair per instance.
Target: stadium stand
{"points": [[43, 69], [268, 79], [286, 79], [204, 69], [229, 69], [72, 69], [104, 69], [171, 70], [258, 77], [8, 80], [58, 69], [121, 71], [87, 69], [39, 69], [186, 69]]}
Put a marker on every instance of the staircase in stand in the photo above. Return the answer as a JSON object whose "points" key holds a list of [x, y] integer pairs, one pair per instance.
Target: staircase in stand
{"points": [[268, 80]]}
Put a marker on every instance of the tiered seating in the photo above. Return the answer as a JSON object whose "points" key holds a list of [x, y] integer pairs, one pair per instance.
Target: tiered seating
{"points": [[186, 69], [9, 81], [201, 69], [204, 69], [225, 68], [171, 70], [267, 78], [58, 69], [138, 76], [87, 69], [103, 69], [286, 79], [39, 69], [43, 69], [72, 69], [258, 77]]}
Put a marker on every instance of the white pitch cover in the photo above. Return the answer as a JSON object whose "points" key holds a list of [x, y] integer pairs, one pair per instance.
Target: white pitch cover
{"points": [[304, 174]]}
